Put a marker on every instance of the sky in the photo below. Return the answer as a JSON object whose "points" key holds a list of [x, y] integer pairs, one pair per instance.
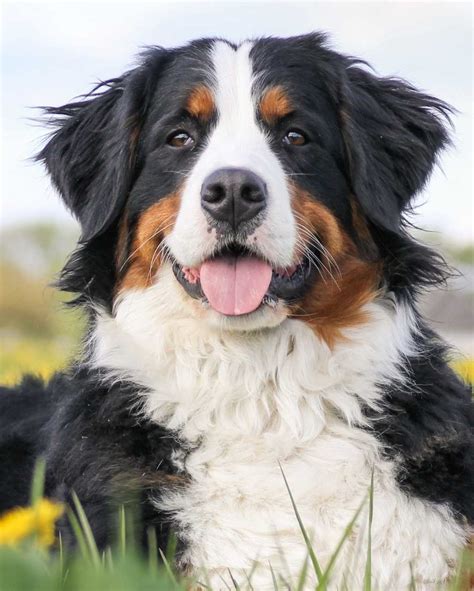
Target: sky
{"points": [[52, 52]]}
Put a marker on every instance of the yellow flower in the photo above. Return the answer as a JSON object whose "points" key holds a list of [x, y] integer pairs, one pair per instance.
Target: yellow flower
{"points": [[24, 522], [465, 368]]}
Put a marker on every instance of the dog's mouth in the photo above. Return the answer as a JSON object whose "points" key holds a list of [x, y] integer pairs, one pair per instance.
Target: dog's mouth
{"points": [[235, 281]]}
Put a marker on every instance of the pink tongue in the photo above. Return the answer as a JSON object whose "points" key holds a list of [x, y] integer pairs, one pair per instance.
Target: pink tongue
{"points": [[235, 285]]}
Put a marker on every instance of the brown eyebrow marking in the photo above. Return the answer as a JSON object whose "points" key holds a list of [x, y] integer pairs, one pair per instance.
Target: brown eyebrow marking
{"points": [[200, 103], [275, 104]]}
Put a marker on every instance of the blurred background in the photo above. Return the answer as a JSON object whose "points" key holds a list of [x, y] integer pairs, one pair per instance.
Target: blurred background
{"points": [[52, 52]]}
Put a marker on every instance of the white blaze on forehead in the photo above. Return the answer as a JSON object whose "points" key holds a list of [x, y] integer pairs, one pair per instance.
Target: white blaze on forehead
{"points": [[236, 141], [234, 78], [233, 90]]}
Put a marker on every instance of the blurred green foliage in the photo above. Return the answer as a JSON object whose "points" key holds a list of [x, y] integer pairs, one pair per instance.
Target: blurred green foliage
{"points": [[462, 254], [26, 563], [38, 332]]}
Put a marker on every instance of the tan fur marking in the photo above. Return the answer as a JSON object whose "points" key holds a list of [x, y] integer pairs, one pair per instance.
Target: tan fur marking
{"points": [[133, 124], [122, 241], [145, 257], [134, 136], [274, 105], [200, 103], [335, 301], [136, 479], [316, 217], [359, 222]]}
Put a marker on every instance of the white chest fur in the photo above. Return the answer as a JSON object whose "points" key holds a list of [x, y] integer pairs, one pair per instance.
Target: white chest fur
{"points": [[250, 402]]}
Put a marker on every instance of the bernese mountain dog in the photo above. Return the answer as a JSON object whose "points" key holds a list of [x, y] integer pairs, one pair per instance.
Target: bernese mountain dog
{"points": [[251, 291]]}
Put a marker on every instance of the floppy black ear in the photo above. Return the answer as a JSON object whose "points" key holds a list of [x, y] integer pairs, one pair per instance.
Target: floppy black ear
{"points": [[393, 134], [90, 155]]}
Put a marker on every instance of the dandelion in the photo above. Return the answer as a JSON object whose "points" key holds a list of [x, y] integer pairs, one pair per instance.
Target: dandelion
{"points": [[465, 368], [27, 522]]}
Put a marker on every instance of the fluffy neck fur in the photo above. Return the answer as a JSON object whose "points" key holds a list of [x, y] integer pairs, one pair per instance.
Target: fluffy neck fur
{"points": [[281, 382]]}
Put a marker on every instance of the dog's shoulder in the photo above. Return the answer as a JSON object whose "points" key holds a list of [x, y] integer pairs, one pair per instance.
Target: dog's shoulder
{"points": [[25, 411], [102, 449], [104, 420], [427, 427]]}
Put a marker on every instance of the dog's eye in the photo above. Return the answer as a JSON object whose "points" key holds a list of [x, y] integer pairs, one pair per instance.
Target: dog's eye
{"points": [[180, 139], [294, 137]]}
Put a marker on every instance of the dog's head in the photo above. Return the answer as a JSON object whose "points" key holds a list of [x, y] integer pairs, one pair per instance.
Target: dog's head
{"points": [[268, 180]]}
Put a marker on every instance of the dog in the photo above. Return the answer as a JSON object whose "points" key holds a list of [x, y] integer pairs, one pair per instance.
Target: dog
{"points": [[253, 337]]}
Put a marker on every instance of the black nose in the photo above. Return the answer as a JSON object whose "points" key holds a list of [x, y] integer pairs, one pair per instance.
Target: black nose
{"points": [[233, 195]]}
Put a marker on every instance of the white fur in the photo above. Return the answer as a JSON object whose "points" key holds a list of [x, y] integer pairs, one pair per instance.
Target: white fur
{"points": [[247, 402], [237, 141]]}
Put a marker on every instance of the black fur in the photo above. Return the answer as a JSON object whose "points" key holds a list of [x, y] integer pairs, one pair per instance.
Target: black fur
{"points": [[91, 155], [394, 133], [427, 428], [375, 138], [94, 444], [24, 412]]}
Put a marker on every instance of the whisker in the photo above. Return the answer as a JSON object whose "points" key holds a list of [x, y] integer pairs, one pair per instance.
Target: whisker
{"points": [[316, 242], [305, 315], [324, 251], [181, 172], [159, 229], [312, 260], [301, 174], [328, 271], [160, 250], [155, 255]]}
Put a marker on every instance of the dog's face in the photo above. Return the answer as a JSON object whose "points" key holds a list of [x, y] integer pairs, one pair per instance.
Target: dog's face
{"points": [[259, 177], [242, 186]]}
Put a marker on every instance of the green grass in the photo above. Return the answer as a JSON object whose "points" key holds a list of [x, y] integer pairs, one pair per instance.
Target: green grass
{"points": [[31, 570], [123, 567]]}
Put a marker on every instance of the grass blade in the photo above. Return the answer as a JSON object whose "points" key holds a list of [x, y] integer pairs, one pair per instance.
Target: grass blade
{"points": [[61, 555], [37, 485], [168, 568], [249, 582], [207, 584], [250, 575], [108, 559], [234, 582], [323, 581], [412, 579], [464, 573], [312, 555], [78, 533], [303, 574], [86, 528], [225, 583], [152, 550], [171, 547], [275, 584], [122, 530], [368, 564]]}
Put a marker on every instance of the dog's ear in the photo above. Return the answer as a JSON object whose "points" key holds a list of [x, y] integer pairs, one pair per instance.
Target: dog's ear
{"points": [[393, 134], [90, 155]]}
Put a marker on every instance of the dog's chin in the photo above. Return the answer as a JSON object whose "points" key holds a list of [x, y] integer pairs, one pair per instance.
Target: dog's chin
{"points": [[276, 287], [262, 318]]}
